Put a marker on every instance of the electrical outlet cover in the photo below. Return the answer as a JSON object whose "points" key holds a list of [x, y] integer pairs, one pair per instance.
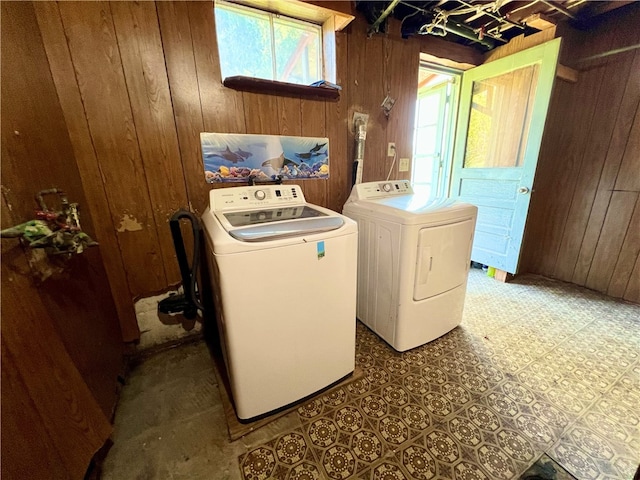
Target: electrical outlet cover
{"points": [[391, 149], [403, 165]]}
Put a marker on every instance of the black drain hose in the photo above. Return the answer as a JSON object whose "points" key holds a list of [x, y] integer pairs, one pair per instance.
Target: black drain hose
{"points": [[189, 303]]}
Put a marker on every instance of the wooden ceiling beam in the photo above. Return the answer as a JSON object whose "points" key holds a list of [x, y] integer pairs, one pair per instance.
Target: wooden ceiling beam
{"points": [[450, 52]]}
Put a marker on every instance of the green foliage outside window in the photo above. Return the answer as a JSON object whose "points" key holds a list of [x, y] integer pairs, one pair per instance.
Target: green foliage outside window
{"points": [[265, 45]]}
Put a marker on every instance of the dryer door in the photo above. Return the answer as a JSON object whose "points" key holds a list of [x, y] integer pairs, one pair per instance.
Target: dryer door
{"points": [[443, 258]]}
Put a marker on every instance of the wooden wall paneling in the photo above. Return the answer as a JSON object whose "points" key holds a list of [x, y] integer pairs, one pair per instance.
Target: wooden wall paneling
{"points": [[632, 293], [629, 253], [290, 123], [143, 62], [566, 155], [373, 81], [54, 402], [402, 69], [261, 113], [175, 29], [367, 84], [559, 163], [36, 146], [598, 136], [222, 108], [408, 108], [68, 92], [25, 438], [94, 51], [84, 315], [614, 230], [289, 116], [620, 137], [629, 174], [78, 301], [356, 34], [40, 156], [68, 410], [337, 129], [391, 78], [313, 123], [75, 291]]}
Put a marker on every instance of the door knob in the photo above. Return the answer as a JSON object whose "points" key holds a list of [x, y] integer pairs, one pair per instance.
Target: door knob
{"points": [[523, 190]]}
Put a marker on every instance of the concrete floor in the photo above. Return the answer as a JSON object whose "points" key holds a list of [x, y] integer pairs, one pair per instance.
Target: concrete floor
{"points": [[536, 367]]}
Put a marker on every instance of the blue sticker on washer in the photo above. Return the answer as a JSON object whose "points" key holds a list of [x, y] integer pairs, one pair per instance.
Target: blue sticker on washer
{"points": [[320, 248]]}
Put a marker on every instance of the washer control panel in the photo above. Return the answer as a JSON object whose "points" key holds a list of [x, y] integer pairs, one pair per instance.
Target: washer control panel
{"points": [[364, 191], [254, 196]]}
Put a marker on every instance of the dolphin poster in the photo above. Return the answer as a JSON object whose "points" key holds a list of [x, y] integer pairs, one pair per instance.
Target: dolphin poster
{"points": [[230, 157]]}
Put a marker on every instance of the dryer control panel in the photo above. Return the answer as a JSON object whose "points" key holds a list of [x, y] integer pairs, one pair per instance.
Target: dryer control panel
{"points": [[222, 199], [371, 190]]}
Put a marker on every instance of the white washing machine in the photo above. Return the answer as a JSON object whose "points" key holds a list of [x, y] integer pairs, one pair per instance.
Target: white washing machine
{"points": [[413, 260], [285, 291]]}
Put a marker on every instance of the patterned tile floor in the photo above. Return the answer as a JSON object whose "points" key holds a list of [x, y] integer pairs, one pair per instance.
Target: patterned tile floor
{"points": [[537, 366]]}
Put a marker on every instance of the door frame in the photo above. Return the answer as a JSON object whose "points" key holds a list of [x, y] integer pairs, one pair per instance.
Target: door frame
{"points": [[442, 186]]}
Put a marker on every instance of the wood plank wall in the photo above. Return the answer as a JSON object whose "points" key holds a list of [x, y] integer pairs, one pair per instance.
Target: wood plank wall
{"points": [[584, 222], [139, 81], [37, 155], [61, 342]]}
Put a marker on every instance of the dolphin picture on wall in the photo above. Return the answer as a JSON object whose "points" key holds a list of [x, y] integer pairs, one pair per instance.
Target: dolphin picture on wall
{"points": [[230, 157]]}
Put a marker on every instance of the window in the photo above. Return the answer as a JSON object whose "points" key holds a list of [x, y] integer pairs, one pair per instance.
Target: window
{"points": [[254, 43], [506, 99]]}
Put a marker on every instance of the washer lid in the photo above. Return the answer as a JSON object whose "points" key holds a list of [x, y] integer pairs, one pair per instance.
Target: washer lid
{"points": [[268, 215], [294, 228], [275, 223]]}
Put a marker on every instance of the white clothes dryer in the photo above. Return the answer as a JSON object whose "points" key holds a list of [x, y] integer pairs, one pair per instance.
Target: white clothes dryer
{"points": [[285, 292], [414, 255]]}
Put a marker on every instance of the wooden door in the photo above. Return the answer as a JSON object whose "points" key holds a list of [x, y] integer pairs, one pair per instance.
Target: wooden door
{"points": [[503, 107]]}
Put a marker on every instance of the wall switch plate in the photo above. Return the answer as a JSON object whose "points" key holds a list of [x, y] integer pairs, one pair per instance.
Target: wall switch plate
{"points": [[391, 149], [403, 165]]}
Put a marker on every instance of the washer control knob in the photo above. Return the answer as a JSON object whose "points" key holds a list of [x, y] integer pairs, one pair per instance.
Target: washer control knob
{"points": [[260, 195], [386, 187]]}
